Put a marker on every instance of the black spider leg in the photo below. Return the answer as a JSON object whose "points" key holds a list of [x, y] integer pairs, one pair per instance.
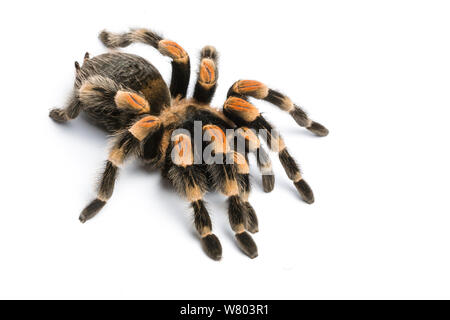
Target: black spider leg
{"points": [[243, 178], [244, 113], [73, 105], [246, 138], [208, 74], [122, 148], [228, 172], [191, 182], [181, 67], [126, 143], [258, 90]]}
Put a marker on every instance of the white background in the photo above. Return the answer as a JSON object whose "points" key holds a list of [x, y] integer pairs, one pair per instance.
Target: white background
{"points": [[376, 73]]}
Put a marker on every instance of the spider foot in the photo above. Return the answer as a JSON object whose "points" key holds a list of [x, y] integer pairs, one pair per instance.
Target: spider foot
{"points": [[212, 247], [305, 191], [247, 245], [58, 115], [318, 129], [91, 210]]}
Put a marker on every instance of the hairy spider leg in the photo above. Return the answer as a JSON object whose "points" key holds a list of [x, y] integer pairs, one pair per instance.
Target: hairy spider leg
{"points": [[258, 90], [191, 182], [225, 179], [181, 67], [253, 145], [244, 113], [125, 144], [208, 74]]}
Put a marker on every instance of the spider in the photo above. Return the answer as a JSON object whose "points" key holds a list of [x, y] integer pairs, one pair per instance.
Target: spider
{"points": [[127, 96]]}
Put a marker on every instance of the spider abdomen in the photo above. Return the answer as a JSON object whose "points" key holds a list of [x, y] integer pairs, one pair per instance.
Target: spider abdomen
{"points": [[130, 72]]}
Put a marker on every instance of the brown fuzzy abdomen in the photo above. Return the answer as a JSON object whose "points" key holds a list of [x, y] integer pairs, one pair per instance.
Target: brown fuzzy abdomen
{"points": [[132, 72]]}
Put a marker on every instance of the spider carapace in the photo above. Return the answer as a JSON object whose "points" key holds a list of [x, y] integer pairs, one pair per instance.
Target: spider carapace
{"points": [[126, 94]]}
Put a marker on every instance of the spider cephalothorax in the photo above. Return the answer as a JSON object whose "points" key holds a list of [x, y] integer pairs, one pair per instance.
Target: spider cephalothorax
{"points": [[127, 95]]}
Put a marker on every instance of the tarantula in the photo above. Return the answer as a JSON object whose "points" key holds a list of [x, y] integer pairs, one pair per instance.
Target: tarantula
{"points": [[127, 96]]}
